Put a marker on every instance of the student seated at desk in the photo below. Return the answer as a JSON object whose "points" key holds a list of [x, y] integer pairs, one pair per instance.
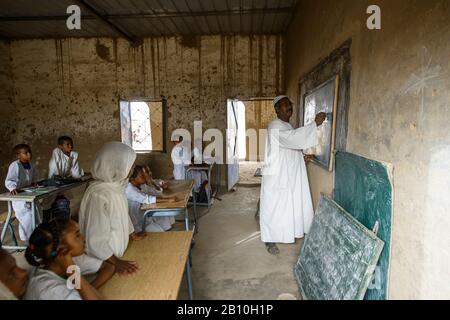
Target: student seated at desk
{"points": [[64, 161], [103, 215], [53, 248], [22, 173], [156, 186], [181, 158], [13, 280], [140, 192]]}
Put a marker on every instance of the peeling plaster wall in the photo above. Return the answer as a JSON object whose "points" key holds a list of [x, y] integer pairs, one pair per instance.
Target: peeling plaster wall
{"points": [[72, 86], [399, 113], [7, 127]]}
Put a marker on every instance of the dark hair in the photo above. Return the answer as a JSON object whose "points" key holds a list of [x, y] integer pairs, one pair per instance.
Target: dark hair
{"points": [[63, 139], [46, 234], [137, 170], [20, 147]]}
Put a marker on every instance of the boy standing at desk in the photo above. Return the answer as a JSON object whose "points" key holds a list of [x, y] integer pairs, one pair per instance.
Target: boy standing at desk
{"points": [[64, 161], [22, 173]]}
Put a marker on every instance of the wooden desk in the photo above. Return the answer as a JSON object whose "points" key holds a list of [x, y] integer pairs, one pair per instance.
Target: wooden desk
{"points": [[161, 258], [32, 197], [182, 189]]}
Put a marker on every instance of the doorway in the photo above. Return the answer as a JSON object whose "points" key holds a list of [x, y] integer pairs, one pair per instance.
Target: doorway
{"points": [[247, 120]]}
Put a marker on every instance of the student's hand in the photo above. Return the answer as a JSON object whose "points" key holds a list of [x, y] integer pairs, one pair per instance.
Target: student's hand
{"points": [[165, 185], [308, 157], [320, 118], [124, 267], [14, 192]]}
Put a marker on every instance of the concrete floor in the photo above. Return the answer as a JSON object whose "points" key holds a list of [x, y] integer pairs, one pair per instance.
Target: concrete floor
{"points": [[247, 171], [223, 270]]}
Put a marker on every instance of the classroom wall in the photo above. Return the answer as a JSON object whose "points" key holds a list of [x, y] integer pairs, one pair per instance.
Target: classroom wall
{"points": [[72, 86], [6, 107], [398, 113]]}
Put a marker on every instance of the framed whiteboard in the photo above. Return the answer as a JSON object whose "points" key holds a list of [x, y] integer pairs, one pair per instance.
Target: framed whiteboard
{"points": [[323, 98]]}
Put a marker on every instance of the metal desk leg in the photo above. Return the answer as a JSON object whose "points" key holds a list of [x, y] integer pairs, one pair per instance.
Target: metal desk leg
{"points": [[195, 214], [257, 208], [189, 281], [144, 222], [186, 219], [7, 222], [33, 215]]}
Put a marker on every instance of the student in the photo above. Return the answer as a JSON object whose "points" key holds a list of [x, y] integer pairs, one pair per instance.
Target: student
{"points": [[138, 192], [103, 214], [197, 159], [13, 280], [181, 157], [22, 173], [54, 247], [64, 161], [155, 186]]}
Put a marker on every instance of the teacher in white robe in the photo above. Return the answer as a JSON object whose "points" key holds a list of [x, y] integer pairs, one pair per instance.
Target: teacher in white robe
{"points": [[286, 206]]}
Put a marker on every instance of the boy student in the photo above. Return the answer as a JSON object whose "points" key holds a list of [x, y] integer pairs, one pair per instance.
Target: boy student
{"points": [[64, 161], [181, 157], [140, 191], [22, 173], [13, 280]]}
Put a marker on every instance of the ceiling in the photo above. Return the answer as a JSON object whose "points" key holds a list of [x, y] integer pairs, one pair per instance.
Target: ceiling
{"points": [[134, 19]]}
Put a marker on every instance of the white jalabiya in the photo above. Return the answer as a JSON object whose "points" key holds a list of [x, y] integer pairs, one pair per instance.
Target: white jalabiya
{"points": [[145, 195], [18, 177], [181, 157], [286, 207], [64, 165], [103, 217]]}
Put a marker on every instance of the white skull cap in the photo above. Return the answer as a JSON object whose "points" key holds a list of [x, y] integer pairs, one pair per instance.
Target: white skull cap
{"points": [[278, 99]]}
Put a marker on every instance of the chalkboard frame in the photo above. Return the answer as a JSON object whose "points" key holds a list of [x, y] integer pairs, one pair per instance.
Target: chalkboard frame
{"points": [[330, 148]]}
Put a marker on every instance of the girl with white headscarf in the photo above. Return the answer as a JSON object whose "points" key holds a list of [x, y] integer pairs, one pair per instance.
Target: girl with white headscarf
{"points": [[103, 216]]}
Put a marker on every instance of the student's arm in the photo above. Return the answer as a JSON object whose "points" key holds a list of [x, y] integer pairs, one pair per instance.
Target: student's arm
{"points": [[106, 271], [65, 260], [76, 171], [12, 178], [134, 194]]}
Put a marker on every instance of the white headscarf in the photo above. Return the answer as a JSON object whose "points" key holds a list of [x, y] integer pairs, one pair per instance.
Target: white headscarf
{"points": [[113, 162], [103, 216]]}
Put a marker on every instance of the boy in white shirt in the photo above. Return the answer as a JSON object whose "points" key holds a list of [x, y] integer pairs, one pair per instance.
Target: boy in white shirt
{"points": [[140, 192], [22, 173], [64, 161]]}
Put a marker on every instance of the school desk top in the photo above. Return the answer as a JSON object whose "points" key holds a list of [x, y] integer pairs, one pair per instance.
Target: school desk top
{"points": [[32, 193], [161, 258], [181, 189]]}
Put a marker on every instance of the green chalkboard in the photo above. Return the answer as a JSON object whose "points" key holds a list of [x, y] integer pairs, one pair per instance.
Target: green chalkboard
{"points": [[338, 257], [363, 187]]}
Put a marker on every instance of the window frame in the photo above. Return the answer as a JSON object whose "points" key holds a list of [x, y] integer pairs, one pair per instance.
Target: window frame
{"points": [[163, 101]]}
